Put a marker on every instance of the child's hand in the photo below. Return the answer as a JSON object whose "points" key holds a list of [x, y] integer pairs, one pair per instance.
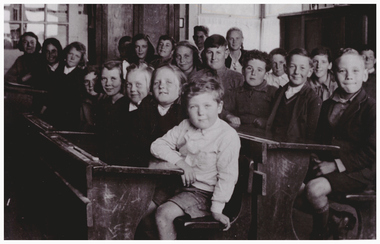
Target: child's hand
{"points": [[323, 167], [235, 121], [222, 219], [188, 176], [260, 122], [26, 77]]}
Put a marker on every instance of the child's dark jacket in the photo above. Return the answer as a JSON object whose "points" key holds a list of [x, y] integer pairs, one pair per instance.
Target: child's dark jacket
{"points": [[305, 114], [355, 133]]}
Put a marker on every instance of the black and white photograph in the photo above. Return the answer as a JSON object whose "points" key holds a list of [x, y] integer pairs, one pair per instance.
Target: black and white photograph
{"points": [[189, 121]]}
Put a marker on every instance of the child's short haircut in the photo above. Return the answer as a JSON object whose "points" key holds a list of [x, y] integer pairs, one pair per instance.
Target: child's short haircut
{"points": [[124, 39], [301, 52], [367, 48], [215, 40], [322, 51], [256, 54], [179, 74], [345, 51], [279, 51], [196, 60], [202, 28], [94, 68], [235, 29], [115, 64], [80, 47], [147, 70], [164, 38], [203, 85]]}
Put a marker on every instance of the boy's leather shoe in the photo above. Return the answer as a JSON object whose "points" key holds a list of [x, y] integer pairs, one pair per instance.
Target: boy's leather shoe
{"points": [[341, 224]]}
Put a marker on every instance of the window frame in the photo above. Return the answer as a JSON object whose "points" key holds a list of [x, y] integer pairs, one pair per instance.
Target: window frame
{"points": [[45, 23]]}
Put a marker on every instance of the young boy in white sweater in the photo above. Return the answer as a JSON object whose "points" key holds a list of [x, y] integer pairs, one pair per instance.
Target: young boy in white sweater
{"points": [[207, 149]]}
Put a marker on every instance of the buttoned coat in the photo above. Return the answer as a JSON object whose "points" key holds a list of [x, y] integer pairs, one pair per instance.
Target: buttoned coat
{"points": [[355, 134], [304, 119]]}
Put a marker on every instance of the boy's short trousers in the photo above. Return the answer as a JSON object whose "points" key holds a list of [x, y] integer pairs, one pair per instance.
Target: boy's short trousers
{"points": [[342, 183], [193, 201], [166, 188]]}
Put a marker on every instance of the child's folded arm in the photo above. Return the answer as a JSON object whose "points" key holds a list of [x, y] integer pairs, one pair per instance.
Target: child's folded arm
{"points": [[314, 108], [228, 170], [165, 146]]}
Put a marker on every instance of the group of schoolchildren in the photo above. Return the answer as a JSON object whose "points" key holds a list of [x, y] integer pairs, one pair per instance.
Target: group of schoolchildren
{"points": [[182, 105]]}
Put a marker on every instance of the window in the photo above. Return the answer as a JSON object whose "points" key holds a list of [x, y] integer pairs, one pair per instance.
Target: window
{"points": [[44, 20]]}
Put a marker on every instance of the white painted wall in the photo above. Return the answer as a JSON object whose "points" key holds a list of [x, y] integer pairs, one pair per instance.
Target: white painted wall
{"points": [[220, 17]]}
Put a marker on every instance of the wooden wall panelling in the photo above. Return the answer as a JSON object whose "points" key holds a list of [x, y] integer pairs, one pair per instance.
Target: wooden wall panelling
{"points": [[120, 23]]}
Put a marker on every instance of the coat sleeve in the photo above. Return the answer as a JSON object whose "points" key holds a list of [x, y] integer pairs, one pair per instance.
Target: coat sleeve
{"points": [[314, 108], [228, 169]]}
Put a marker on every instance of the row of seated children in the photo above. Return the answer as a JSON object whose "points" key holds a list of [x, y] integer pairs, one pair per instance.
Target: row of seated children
{"points": [[297, 102], [347, 120]]}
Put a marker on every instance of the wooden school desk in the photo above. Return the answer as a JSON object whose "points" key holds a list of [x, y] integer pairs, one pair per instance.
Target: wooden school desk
{"points": [[280, 168], [110, 200]]}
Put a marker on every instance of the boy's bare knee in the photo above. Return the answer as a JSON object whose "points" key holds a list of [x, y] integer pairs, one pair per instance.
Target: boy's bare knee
{"points": [[317, 188], [167, 212]]}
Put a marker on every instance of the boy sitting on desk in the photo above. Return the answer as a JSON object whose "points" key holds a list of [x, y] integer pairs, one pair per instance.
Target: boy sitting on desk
{"points": [[207, 149], [348, 120]]}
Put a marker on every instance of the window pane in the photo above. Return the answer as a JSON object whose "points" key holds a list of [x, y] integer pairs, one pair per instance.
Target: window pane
{"points": [[12, 12], [7, 12], [57, 12], [229, 9], [11, 35], [37, 29], [34, 12], [59, 32]]}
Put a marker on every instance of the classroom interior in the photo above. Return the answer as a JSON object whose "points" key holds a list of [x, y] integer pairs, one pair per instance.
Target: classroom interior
{"points": [[99, 27]]}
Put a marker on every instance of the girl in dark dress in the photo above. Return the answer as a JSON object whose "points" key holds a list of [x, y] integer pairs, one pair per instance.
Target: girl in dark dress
{"points": [[112, 115], [65, 95], [46, 71], [143, 50], [21, 70], [159, 113]]}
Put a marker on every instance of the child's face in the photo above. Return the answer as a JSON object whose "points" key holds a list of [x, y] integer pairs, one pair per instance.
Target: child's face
{"points": [[165, 48], [89, 83], [141, 48], [51, 54], [137, 86], [254, 72], [73, 58], [235, 40], [216, 57], [203, 110], [321, 65], [29, 44], [184, 58], [350, 73], [166, 86], [199, 39], [111, 81], [278, 64], [369, 58], [299, 70]]}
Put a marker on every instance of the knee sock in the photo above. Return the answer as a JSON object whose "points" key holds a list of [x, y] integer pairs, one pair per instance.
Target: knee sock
{"points": [[320, 220]]}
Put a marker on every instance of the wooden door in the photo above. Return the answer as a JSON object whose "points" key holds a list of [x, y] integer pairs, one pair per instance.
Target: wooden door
{"points": [[112, 21]]}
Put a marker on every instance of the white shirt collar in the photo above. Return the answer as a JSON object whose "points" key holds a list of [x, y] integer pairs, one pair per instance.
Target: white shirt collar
{"points": [[162, 110], [68, 70], [371, 70], [133, 107], [291, 91], [54, 66]]}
